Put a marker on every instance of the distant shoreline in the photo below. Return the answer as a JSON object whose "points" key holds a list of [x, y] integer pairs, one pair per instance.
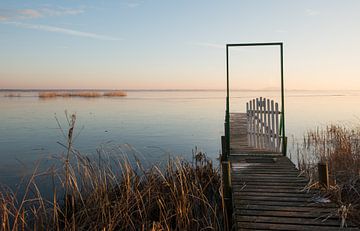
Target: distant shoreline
{"points": [[160, 90]]}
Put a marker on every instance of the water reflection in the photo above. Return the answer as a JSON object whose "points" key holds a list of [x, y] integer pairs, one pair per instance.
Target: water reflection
{"points": [[154, 123]]}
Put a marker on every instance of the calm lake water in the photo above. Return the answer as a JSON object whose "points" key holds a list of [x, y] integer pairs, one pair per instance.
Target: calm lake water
{"points": [[154, 123]]}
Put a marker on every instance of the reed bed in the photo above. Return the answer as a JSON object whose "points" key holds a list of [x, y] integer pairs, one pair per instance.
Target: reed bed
{"points": [[115, 194], [85, 94], [12, 95], [115, 94], [339, 146]]}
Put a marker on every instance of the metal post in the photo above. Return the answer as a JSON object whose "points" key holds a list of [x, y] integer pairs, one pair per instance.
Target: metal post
{"points": [[225, 140], [227, 116], [284, 140], [225, 164], [282, 119]]}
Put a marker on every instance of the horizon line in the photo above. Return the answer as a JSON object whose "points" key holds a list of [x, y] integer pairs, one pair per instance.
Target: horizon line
{"points": [[166, 89]]}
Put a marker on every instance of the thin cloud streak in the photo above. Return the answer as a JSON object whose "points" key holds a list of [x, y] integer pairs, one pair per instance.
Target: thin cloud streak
{"points": [[29, 13], [3, 18], [61, 30], [38, 13]]}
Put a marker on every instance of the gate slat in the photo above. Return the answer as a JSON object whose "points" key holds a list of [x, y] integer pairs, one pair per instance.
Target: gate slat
{"points": [[261, 122], [262, 116], [257, 118], [254, 124], [265, 136], [268, 127], [277, 137]]}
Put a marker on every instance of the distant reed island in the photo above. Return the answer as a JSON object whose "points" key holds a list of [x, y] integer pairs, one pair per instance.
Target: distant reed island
{"points": [[12, 95], [85, 94]]}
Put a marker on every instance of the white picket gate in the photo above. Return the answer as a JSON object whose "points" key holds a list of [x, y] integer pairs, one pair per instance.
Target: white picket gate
{"points": [[263, 130]]}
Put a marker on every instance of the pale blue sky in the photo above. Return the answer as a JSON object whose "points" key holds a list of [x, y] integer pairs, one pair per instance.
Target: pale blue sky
{"points": [[178, 44]]}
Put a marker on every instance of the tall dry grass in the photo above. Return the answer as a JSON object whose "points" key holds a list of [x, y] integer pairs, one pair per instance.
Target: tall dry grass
{"points": [[114, 194], [339, 146], [85, 94]]}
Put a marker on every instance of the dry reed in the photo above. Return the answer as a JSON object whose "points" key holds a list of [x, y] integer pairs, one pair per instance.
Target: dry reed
{"points": [[115, 194], [339, 146]]}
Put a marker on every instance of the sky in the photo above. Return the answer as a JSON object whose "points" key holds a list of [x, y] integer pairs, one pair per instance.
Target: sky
{"points": [[158, 44]]}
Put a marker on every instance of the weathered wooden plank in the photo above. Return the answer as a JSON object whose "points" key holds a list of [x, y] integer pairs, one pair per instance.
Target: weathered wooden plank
{"points": [[255, 188], [238, 202], [271, 198], [265, 168], [287, 208], [269, 186], [259, 187], [278, 162], [268, 174], [288, 220], [270, 178], [272, 194], [292, 188], [273, 184], [268, 191], [272, 190], [257, 174], [297, 227], [267, 171], [259, 166], [316, 214], [269, 182], [247, 180]]}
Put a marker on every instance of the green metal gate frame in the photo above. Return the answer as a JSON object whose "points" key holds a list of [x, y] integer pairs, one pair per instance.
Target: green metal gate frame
{"points": [[227, 115]]}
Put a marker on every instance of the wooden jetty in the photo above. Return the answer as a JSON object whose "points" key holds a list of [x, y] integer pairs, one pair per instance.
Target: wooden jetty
{"points": [[268, 192], [262, 189]]}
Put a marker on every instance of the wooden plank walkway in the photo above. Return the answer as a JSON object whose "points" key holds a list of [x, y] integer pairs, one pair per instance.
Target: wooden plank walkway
{"points": [[268, 191], [239, 136]]}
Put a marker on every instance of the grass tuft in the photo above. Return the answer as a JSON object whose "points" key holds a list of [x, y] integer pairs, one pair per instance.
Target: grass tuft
{"points": [[339, 146], [113, 193]]}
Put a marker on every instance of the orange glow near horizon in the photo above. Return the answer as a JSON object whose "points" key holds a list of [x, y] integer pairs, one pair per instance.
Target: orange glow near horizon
{"points": [[141, 47]]}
